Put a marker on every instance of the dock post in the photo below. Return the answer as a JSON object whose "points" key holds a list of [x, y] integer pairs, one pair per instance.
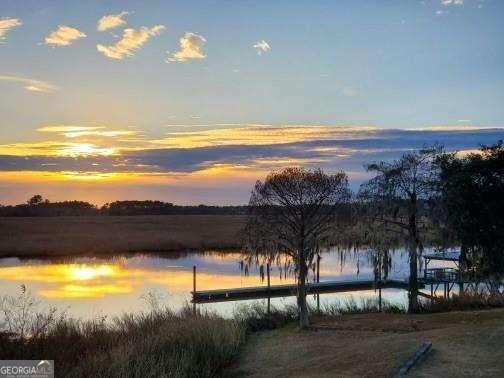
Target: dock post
{"points": [[269, 286], [194, 289], [379, 297], [318, 281]]}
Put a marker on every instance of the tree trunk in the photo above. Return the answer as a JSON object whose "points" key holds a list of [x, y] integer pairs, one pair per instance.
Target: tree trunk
{"points": [[413, 278], [414, 242], [304, 320]]}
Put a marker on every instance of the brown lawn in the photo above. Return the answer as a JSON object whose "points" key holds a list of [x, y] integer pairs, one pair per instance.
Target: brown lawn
{"points": [[375, 345]]}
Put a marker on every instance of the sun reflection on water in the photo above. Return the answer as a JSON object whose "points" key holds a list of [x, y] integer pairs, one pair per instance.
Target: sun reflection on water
{"points": [[99, 280], [87, 272]]}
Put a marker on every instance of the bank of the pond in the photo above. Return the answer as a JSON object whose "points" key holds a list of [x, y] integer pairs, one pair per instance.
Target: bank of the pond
{"points": [[70, 236]]}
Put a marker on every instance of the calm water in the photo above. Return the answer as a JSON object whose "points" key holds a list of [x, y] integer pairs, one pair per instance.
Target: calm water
{"points": [[91, 287]]}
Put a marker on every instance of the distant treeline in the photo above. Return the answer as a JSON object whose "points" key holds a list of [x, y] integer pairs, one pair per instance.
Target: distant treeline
{"points": [[40, 207]]}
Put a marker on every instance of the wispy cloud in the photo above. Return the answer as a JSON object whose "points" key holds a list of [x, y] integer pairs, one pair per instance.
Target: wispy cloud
{"points": [[111, 21], [259, 135], [261, 47], [6, 24], [349, 92], [63, 36], [191, 48], [67, 128], [85, 131], [31, 85], [130, 42], [452, 2]]}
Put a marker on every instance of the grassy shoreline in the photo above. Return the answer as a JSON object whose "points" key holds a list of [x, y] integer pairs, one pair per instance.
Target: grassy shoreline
{"points": [[69, 236]]}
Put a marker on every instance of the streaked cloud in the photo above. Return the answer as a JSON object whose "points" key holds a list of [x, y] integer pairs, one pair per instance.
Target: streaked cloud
{"points": [[85, 131], [191, 48], [6, 24], [111, 21], [131, 41], [254, 149], [261, 47], [106, 133], [452, 2], [259, 135], [461, 126], [67, 128], [63, 36], [30, 84]]}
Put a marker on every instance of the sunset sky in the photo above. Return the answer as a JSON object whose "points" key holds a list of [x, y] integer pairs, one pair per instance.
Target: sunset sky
{"points": [[192, 101]]}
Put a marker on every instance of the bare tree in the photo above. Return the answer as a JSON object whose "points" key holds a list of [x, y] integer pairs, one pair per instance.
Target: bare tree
{"points": [[396, 200], [292, 213]]}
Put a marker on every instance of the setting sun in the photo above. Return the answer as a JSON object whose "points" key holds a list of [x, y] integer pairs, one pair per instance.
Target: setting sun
{"points": [[84, 149]]}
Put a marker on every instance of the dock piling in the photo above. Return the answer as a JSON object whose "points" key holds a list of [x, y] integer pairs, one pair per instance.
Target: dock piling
{"points": [[318, 281], [269, 287], [194, 288]]}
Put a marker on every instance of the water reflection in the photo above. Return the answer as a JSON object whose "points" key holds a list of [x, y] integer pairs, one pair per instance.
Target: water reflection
{"points": [[115, 284]]}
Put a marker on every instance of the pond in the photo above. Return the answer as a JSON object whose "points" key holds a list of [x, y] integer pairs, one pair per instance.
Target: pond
{"points": [[90, 287]]}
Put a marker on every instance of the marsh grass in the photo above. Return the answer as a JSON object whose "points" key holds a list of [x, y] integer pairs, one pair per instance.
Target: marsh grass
{"points": [[361, 306], [159, 343], [69, 236], [480, 300], [255, 317]]}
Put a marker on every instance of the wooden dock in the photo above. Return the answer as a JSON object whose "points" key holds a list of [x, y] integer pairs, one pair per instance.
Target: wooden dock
{"points": [[264, 292]]}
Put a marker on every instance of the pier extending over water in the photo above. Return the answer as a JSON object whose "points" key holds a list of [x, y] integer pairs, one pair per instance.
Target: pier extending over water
{"points": [[433, 277], [264, 292]]}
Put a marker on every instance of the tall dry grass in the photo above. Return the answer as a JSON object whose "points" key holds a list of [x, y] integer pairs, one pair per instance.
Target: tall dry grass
{"points": [[159, 343], [479, 300]]}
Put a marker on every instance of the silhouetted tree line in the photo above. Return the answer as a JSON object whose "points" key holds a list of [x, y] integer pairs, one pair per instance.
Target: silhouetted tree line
{"points": [[120, 208], [37, 206]]}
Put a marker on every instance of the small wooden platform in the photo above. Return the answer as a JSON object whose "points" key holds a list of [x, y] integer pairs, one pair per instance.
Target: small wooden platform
{"points": [[453, 256], [262, 292]]}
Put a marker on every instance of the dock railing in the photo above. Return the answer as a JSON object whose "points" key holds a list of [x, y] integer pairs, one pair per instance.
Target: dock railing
{"points": [[441, 275]]}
